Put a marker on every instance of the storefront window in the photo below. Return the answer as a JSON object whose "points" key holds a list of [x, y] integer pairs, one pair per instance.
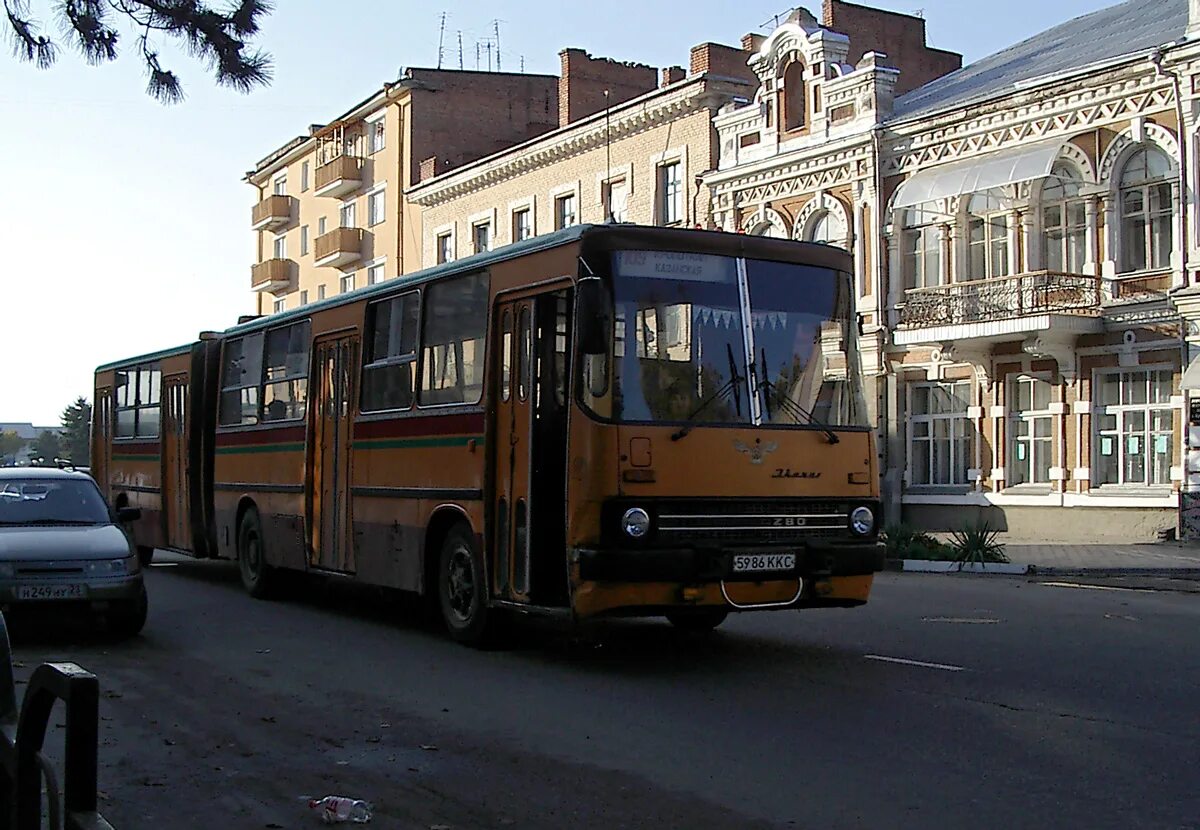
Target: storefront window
{"points": [[1133, 436]]}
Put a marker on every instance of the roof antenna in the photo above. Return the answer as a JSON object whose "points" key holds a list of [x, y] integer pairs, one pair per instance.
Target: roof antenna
{"points": [[460, 51], [496, 29], [441, 39]]}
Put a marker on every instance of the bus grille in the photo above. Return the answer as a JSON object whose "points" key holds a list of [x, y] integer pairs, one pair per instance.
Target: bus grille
{"points": [[751, 521]]}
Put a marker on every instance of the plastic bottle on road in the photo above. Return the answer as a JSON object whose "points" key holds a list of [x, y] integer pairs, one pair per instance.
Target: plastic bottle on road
{"points": [[334, 809]]}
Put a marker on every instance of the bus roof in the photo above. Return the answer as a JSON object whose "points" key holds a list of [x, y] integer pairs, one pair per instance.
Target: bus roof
{"points": [[728, 244], [174, 351]]}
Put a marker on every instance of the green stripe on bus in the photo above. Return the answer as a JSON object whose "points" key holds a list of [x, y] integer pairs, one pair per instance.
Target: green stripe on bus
{"points": [[295, 446], [414, 443], [125, 457]]}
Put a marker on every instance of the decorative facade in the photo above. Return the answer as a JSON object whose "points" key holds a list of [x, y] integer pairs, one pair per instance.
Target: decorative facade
{"points": [[1024, 231]]}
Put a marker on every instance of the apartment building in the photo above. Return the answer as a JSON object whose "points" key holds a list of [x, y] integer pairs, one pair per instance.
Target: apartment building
{"points": [[633, 157], [1024, 232], [330, 212]]}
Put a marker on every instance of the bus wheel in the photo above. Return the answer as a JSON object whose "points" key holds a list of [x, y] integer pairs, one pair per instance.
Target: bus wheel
{"points": [[257, 575], [145, 555], [462, 590], [702, 619]]}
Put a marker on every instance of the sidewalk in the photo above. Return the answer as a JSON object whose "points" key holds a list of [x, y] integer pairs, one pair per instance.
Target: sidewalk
{"points": [[1179, 560]]}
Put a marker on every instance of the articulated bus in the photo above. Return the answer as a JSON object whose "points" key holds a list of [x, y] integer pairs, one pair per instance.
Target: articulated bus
{"points": [[606, 420]]}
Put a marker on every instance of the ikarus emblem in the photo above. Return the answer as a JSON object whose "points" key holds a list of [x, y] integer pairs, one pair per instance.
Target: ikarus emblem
{"points": [[757, 451]]}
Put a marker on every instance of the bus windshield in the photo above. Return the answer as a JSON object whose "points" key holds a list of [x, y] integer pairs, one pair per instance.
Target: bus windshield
{"points": [[711, 339]]}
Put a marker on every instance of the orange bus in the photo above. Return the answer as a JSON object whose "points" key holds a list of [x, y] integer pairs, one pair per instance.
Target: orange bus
{"points": [[606, 420]]}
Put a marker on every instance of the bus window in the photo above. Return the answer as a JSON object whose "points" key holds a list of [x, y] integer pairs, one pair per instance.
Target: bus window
{"points": [[388, 376], [241, 374], [138, 392], [506, 357], [285, 384], [524, 340], [452, 341]]}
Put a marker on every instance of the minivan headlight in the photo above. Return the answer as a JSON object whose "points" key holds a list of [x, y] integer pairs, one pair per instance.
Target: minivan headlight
{"points": [[635, 522], [113, 567], [7, 571], [862, 520]]}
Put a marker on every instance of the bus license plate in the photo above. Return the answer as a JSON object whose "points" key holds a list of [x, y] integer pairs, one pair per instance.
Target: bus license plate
{"points": [[50, 592], [755, 562]]}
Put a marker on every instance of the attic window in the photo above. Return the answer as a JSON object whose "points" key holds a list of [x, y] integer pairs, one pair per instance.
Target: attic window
{"points": [[793, 97]]}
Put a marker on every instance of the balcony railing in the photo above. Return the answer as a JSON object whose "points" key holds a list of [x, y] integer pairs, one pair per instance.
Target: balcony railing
{"points": [[271, 275], [272, 212], [339, 176], [338, 247], [1002, 298]]}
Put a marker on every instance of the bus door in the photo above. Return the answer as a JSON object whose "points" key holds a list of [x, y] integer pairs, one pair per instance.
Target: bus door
{"points": [[176, 512], [529, 530], [331, 532], [102, 440]]}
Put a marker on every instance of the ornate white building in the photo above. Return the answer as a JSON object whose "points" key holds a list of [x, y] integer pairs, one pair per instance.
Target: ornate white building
{"points": [[1025, 239]]}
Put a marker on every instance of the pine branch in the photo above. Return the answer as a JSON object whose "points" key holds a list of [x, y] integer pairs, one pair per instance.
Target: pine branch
{"points": [[28, 45], [84, 23]]}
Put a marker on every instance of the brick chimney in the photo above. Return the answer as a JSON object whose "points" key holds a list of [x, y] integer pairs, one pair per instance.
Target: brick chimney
{"points": [[584, 80], [723, 61], [752, 41], [673, 74]]}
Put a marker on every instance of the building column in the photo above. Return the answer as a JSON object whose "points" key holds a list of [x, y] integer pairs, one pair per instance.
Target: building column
{"points": [[1091, 265], [895, 278], [946, 240], [1017, 242], [862, 277]]}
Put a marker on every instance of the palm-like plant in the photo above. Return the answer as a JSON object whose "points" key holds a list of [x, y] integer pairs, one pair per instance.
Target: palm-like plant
{"points": [[977, 543]]}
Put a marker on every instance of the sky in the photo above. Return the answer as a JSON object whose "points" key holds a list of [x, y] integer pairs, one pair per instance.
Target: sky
{"points": [[125, 226]]}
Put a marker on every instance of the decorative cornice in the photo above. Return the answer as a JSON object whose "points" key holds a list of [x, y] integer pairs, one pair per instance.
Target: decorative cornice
{"points": [[653, 110]]}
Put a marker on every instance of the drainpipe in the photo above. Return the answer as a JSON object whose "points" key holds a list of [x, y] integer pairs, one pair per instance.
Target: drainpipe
{"points": [[1156, 58]]}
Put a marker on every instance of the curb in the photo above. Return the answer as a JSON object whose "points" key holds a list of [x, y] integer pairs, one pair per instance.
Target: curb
{"points": [[1013, 569]]}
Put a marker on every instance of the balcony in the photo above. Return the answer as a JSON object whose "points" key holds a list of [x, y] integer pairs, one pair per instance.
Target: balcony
{"points": [[338, 177], [339, 247], [999, 308], [272, 213], [273, 275]]}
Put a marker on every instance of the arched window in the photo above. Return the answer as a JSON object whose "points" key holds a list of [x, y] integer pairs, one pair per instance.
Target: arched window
{"points": [[769, 228], [793, 96], [1064, 221], [1145, 196], [827, 227], [987, 237], [921, 247]]}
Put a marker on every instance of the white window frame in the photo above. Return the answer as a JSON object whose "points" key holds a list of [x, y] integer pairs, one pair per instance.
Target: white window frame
{"points": [[515, 207], [376, 196], [665, 198], [348, 208], [348, 280], [571, 189], [1030, 418], [279, 247], [279, 306], [1147, 216], [303, 240], [376, 272], [449, 231], [322, 225], [483, 218], [321, 292], [1120, 434], [926, 230], [1072, 235], [969, 433], [304, 176], [658, 160], [304, 296], [376, 132], [279, 185], [995, 223]]}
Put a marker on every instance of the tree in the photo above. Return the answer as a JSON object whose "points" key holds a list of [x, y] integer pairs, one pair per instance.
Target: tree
{"points": [[218, 39], [47, 446], [10, 445], [76, 436]]}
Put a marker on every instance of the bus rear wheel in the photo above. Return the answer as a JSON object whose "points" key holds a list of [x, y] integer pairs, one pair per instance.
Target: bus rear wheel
{"points": [[462, 590], [701, 619], [257, 575]]}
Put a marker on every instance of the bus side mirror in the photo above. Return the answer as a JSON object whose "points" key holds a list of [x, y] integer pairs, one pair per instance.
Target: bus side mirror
{"points": [[594, 327]]}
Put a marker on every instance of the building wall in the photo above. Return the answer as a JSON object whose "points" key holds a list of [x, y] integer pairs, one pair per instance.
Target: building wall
{"points": [[634, 159], [900, 36], [585, 80]]}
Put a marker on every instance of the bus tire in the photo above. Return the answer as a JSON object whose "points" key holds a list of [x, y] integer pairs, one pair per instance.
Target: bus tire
{"points": [[701, 619], [462, 590], [145, 555], [257, 575]]}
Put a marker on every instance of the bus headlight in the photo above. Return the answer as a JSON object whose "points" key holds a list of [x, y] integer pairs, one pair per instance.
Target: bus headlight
{"points": [[635, 522], [862, 520]]}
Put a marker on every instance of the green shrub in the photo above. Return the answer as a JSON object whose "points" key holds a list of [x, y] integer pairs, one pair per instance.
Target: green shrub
{"points": [[903, 542], [977, 543]]}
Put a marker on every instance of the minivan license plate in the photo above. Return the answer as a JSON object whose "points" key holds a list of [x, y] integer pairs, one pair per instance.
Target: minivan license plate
{"points": [[49, 592], [755, 562]]}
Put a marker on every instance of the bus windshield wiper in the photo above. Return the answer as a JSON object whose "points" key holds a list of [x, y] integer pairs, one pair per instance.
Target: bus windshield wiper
{"points": [[732, 386], [788, 405]]}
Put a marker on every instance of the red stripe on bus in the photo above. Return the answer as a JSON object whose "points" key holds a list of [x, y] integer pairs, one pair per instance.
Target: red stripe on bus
{"points": [[261, 436], [135, 447], [458, 424]]}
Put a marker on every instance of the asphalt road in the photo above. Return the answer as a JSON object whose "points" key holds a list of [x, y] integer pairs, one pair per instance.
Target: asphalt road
{"points": [[1028, 705]]}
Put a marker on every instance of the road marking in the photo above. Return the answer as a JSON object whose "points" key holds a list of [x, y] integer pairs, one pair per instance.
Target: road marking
{"points": [[920, 663], [963, 620], [1097, 587]]}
